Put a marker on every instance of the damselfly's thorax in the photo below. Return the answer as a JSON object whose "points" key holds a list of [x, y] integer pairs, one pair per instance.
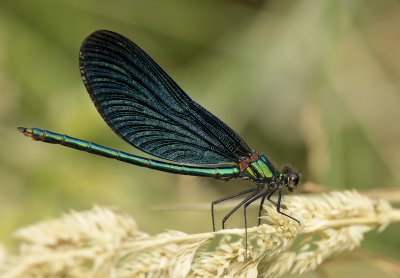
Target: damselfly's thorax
{"points": [[259, 169]]}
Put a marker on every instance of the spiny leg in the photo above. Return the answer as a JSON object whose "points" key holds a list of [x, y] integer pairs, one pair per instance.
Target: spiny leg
{"points": [[266, 194], [270, 195], [278, 207], [249, 202], [260, 209], [226, 217], [225, 199]]}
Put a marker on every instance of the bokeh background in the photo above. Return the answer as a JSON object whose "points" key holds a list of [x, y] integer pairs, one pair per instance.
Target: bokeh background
{"points": [[312, 84]]}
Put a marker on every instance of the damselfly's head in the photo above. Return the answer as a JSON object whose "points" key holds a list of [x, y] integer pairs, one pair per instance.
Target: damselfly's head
{"points": [[290, 178]]}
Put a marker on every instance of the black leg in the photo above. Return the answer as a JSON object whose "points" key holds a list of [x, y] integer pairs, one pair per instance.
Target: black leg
{"points": [[260, 209], [227, 198], [278, 207], [226, 217], [267, 195], [270, 195], [249, 202]]}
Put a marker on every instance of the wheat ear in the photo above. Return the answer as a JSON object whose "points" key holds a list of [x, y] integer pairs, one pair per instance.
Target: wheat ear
{"points": [[104, 243]]}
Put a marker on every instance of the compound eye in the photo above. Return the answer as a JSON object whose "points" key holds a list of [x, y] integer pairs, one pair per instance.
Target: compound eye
{"points": [[293, 180]]}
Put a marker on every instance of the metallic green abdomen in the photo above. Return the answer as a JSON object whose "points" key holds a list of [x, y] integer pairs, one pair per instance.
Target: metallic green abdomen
{"points": [[215, 171]]}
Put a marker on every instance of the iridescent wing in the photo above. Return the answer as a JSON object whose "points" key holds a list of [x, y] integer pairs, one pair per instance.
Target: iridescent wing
{"points": [[145, 107]]}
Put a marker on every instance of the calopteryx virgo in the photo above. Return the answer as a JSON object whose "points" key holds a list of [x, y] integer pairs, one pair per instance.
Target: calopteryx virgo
{"points": [[146, 108]]}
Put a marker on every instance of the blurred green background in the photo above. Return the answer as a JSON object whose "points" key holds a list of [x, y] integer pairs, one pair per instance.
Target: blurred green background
{"points": [[312, 84]]}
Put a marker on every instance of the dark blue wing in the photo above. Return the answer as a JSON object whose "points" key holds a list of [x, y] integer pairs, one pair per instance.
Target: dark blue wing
{"points": [[145, 107]]}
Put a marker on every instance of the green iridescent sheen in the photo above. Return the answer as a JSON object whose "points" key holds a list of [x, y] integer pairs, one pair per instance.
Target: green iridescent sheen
{"points": [[146, 108], [218, 172], [259, 170]]}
